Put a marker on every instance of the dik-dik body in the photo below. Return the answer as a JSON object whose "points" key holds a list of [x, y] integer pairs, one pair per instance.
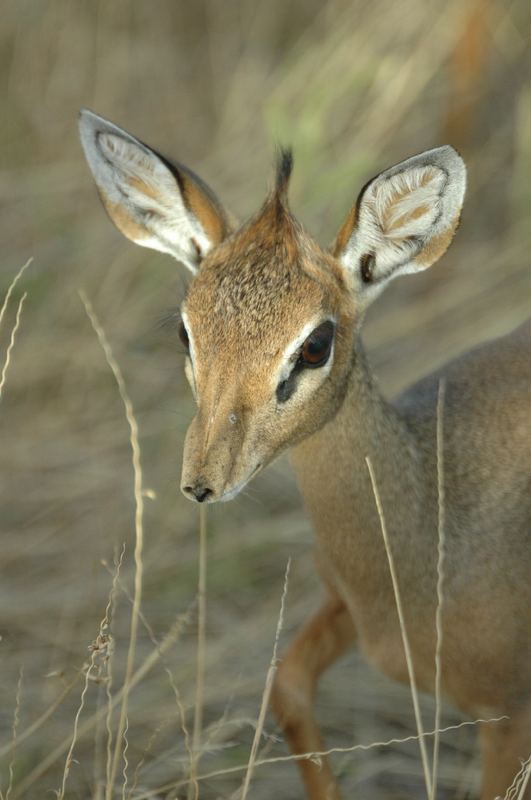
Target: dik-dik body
{"points": [[271, 323]]}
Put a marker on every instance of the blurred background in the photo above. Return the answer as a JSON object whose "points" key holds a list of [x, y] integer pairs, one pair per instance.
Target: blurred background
{"points": [[353, 86]]}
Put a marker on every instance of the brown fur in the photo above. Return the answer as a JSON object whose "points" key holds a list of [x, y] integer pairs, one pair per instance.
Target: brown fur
{"points": [[123, 220], [215, 225], [243, 333], [437, 246], [251, 296], [487, 477], [345, 232], [143, 187], [255, 292]]}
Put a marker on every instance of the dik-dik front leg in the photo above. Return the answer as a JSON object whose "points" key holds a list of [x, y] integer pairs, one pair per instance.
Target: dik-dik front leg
{"points": [[322, 640]]}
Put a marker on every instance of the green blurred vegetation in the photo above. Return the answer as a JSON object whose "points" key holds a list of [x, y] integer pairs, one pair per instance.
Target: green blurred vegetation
{"points": [[354, 86]]}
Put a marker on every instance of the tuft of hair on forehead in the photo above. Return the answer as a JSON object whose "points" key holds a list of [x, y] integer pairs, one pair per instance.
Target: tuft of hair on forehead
{"points": [[274, 224], [284, 167]]}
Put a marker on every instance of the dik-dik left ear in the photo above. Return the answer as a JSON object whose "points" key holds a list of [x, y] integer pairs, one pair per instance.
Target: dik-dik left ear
{"points": [[403, 221], [153, 202]]}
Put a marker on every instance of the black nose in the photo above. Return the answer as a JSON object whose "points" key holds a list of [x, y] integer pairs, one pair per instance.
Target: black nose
{"points": [[199, 492]]}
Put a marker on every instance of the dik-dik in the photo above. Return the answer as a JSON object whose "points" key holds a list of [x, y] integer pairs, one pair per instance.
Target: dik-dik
{"points": [[271, 324]]}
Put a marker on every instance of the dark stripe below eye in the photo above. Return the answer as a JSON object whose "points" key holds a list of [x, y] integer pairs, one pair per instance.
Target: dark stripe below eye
{"points": [[286, 388]]}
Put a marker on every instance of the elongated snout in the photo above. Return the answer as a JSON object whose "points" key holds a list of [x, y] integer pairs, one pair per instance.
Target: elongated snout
{"points": [[216, 464]]}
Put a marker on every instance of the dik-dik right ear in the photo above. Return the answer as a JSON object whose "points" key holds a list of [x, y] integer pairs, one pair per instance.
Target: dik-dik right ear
{"points": [[403, 221], [153, 202]]}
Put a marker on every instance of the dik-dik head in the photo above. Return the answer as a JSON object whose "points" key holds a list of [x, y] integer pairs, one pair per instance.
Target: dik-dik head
{"points": [[270, 318]]}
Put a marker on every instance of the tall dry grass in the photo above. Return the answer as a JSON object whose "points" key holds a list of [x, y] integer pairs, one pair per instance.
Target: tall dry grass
{"points": [[353, 86]]}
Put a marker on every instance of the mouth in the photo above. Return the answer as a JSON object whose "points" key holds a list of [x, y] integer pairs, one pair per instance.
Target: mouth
{"points": [[232, 493]]}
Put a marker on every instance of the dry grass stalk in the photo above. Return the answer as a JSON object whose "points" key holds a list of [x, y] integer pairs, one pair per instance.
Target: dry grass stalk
{"points": [[519, 784], [125, 759], [14, 731], [193, 790], [169, 640], [101, 657], [109, 613], [171, 681], [517, 788], [45, 716], [11, 288], [98, 782], [11, 344], [405, 639], [139, 530], [98, 649], [317, 755], [267, 688], [440, 579], [525, 778], [147, 751]]}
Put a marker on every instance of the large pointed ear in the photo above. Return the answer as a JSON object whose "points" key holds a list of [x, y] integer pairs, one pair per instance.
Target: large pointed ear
{"points": [[153, 202], [403, 221]]}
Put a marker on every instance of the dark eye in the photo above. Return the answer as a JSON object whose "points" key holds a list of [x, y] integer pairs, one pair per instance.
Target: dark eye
{"points": [[314, 352], [316, 349], [183, 336]]}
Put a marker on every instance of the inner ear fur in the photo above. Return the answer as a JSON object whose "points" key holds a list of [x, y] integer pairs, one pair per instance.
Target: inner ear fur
{"points": [[404, 219], [154, 202]]}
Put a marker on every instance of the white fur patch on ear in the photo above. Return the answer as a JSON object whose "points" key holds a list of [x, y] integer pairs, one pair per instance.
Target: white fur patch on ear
{"points": [[140, 192], [408, 204], [151, 193], [405, 219], [130, 162]]}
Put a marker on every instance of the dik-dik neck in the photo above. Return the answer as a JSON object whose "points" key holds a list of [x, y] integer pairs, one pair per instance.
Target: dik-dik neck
{"points": [[334, 479]]}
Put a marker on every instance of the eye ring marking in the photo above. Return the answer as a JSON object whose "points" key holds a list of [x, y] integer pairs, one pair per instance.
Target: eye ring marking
{"points": [[313, 353]]}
